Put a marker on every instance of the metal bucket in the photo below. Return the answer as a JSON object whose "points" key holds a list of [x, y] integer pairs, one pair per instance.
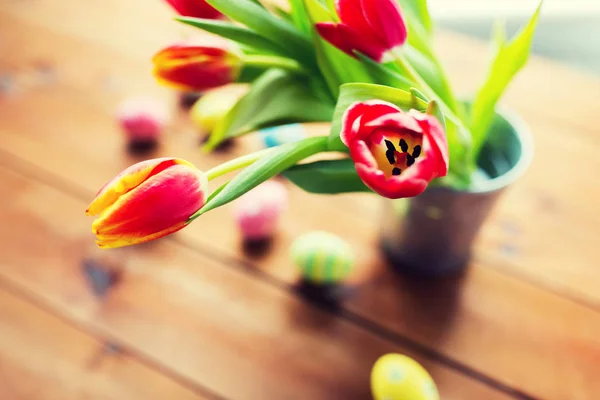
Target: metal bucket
{"points": [[432, 235]]}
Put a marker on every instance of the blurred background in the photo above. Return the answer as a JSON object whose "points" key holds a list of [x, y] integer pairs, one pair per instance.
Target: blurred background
{"points": [[569, 30]]}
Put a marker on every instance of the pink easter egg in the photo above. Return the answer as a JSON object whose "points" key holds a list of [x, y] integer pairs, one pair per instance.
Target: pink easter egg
{"points": [[142, 118], [257, 212]]}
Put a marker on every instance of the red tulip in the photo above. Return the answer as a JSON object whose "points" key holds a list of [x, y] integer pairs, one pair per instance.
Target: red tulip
{"points": [[372, 27], [196, 68], [147, 201], [396, 154], [195, 8]]}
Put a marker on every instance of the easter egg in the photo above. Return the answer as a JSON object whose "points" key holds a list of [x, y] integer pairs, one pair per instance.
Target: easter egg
{"points": [[398, 377], [283, 134], [211, 108], [322, 257], [257, 212], [142, 118]]}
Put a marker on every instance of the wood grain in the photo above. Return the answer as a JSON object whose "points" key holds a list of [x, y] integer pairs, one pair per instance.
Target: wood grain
{"points": [[43, 358], [206, 323], [473, 333], [486, 321]]}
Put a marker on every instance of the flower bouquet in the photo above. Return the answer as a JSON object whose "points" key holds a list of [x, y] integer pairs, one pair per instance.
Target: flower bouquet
{"points": [[369, 68]]}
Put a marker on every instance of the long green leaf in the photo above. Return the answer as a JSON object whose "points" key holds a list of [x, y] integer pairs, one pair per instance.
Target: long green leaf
{"points": [[239, 34], [327, 177], [272, 163], [275, 98], [300, 17], [432, 74], [417, 13], [336, 66], [510, 58], [268, 25], [383, 75]]}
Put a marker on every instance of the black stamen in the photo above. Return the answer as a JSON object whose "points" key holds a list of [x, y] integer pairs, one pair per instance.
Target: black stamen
{"points": [[403, 145], [396, 171], [389, 145], [391, 156], [410, 160], [416, 151]]}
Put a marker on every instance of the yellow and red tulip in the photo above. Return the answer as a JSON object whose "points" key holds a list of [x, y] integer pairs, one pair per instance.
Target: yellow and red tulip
{"points": [[396, 154], [372, 27], [195, 8], [147, 201], [196, 67]]}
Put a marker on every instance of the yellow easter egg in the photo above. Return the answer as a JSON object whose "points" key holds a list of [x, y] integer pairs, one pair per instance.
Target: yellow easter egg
{"points": [[211, 108], [398, 377]]}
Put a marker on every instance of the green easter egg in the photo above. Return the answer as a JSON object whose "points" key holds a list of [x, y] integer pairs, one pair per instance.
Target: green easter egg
{"points": [[398, 377], [322, 257]]}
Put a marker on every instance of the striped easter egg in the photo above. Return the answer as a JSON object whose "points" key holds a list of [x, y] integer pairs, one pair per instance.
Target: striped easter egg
{"points": [[398, 377], [323, 258]]}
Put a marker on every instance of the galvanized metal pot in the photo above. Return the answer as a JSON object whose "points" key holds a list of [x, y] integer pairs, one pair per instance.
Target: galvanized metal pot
{"points": [[431, 235]]}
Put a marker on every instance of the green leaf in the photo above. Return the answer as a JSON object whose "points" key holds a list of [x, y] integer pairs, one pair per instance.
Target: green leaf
{"points": [[272, 163], [269, 26], [327, 177], [300, 17], [275, 98], [432, 74], [383, 75], [510, 58], [353, 92], [336, 66], [417, 13], [239, 34]]}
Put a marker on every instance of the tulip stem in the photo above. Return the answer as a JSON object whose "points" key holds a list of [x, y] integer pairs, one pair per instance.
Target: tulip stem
{"points": [[235, 164], [413, 75], [268, 61]]}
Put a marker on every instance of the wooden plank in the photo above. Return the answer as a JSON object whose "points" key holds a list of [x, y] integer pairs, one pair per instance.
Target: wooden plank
{"points": [[205, 322], [76, 157], [43, 358]]}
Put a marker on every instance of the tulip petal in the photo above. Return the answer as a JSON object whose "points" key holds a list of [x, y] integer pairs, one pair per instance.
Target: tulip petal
{"points": [[385, 16], [131, 240], [195, 8], [365, 112], [395, 187], [337, 35], [127, 180], [436, 138], [397, 121], [352, 14], [159, 204]]}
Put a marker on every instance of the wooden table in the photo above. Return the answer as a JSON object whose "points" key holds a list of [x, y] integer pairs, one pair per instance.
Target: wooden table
{"points": [[193, 316]]}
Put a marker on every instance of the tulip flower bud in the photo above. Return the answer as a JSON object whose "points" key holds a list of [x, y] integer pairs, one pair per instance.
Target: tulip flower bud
{"points": [[195, 8], [142, 119], [372, 27], [396, 154], [147, 201], [196, 68]]}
